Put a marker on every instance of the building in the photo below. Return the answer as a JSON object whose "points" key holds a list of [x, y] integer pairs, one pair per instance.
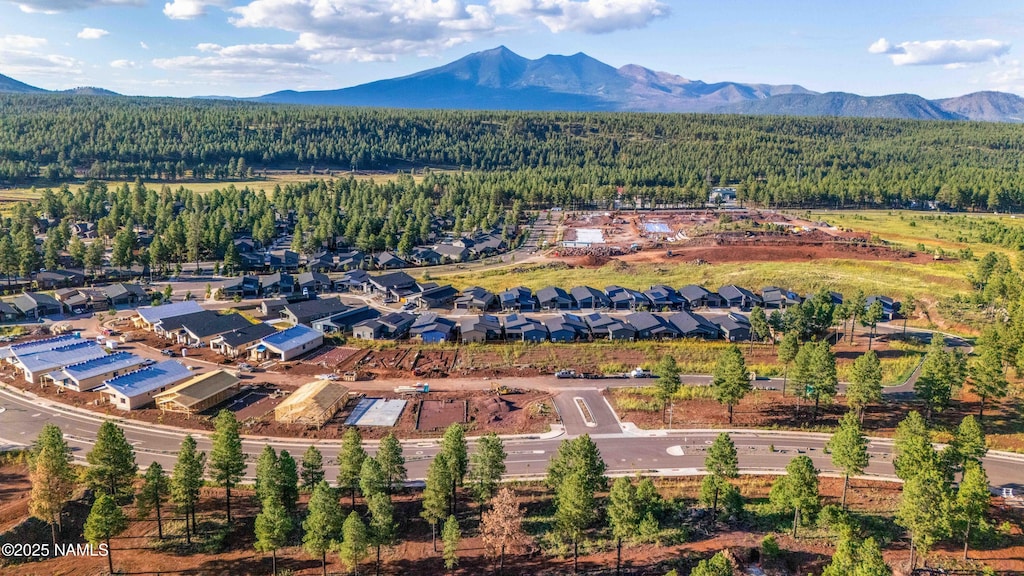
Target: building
{"points": [[50, 279], [436, 297], [353, 280], [201, 329], [122, 294], [313, 404], [475, 299], [8, 313], [483, 328], [388, 327], [734, 327], [651, 326], [85, 376], [554, 298], [35, 305], [587, 298], [395, 286], [271, 308], [430, 328], [695, 296], [606, 327], [518, 327], [199, 393], [424, 256], [15, 351], [738, 297], [777, 298], [344, 321], [137, 389], [452, 253], [281, 260], [890, 307], [566, 328], [690, 325], [234, 343], [518, 299], [388, 261], [664, 298], [36, 365], [149, 316], [286, 344], [239, 287], [307, 311], [312, 283], [626, 298], [277, 283]]}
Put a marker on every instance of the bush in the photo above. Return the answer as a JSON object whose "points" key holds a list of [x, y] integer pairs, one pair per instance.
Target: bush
{"points": [[770, 548]]}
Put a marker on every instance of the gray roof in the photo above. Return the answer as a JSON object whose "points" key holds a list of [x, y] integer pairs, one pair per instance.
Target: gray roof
{"points": [[393, 280], [689, 323], [166, 373], [154, 314], [246, 335], [549, 293], [100, 365], [32, 300], [34, 346], [310, 308], [694, 292], [120, 289], [201, 327], [62, 356]]}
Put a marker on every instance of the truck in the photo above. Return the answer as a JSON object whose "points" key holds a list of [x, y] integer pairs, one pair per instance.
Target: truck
{"points": [[419, 388], [639, 372]]}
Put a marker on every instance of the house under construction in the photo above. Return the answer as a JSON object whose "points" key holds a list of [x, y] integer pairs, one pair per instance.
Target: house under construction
{"points": [[200, 393], [312, 404]]}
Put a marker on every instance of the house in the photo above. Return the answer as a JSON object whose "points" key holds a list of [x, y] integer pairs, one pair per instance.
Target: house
{"points": [[35, 366], [354, 260], [435, 297], [890, 307], [395, 286], [775, 298], [138, 388], [149, 316], [245, 245], [35, 305], [234, 343], [425, 256], [690, 325], [388, 261], [277, 283], [85, 376], [390, 326], [722, 194], [312, 404], [518, 299], [737, 297], [695, 296], [122, 294], [8, 313], [553, 298], [352, 280], [281, 260], [252, 260], [483, 328], [587, 298], [198, 393], [306, 311], [241, 286], [566, 328], [626, 298], [344, 321], [50, 279], [487, 244], [651, 326], [609, 328], [518, 327], [200, 329], [664, 298], [286, 344], [271, 308], [451, 253], [430, 328], [312, 282], [734, 327], [477, 299], [13, 352], [320, 261]]}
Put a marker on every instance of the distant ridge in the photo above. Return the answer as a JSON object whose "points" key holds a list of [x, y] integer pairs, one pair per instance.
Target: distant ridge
{"points": [[9, 85]]}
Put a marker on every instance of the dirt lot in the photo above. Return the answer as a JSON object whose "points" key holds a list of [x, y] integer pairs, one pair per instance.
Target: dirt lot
{"points": [[138, 549]]}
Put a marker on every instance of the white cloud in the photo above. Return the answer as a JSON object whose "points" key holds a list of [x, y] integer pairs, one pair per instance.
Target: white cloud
{"points": [[57, 6], [242, 62], [92, 33], [948, 53], [588, 16], [22, 57], [143, 45], [189, 9], [124, 64], [21, 42]]}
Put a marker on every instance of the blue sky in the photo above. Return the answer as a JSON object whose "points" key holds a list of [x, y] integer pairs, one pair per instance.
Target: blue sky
{"points": [[937, 49]]}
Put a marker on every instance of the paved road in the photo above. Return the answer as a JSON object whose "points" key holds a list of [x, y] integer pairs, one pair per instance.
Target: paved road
{"points": [[650, 452]]}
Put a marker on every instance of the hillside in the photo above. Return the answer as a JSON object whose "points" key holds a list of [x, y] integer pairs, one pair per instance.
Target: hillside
{"points": [[9, 85]]}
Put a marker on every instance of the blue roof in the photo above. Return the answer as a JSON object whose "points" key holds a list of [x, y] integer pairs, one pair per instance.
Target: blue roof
{"points": [[154, 314], [166, 373], [293, 337], [63, 356], [44, 344], [102, 365]]}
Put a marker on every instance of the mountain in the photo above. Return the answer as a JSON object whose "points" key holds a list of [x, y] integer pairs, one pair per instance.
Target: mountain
{"points": [[844, 104], [502, 79], [987, 106], [90, 91], [9, 85]]}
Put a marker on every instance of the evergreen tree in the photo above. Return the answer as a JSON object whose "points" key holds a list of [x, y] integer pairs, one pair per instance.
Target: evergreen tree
{"points": [[436, 494], [371, 478], [722, 464], [849, 449], [322, 526], [872, 315], [717, 565], [870, 561], [797, 490], [969, 442], [667, 383], [487, 465], [268, 475], [354, 546], [154, 491], [112, 466], [865, 385], [187, 480], [392, 462], [579, 455], [788, 348], [730, 380], [924, 510], [941, 372], [624, 515], [913, 448], [972, 499], [350, 462], [289, 481], [105, 521], [451, 534], [227, 461], [383, 528], [273, 524], [456, 451], [52, 478], [575, 511], [988, 380], [312, 468], [826, 381], [759, 327]]}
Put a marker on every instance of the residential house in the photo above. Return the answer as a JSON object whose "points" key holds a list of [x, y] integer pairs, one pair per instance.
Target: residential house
{"points": [[394, 286], [430, 328], [278, 283], [352, 260], [651, 326], [603, 326], [435, 297], [567, 328], [553, 298], [451, 253], [664, 298], [35, 366], [739, 297], [8, 313], [286, 344], [50, 279], [587, 298], [200, 329], [122, 294], [307, 311], [775, 298], [733, 327], [425, 256], [388, 261], [477, 299], [240, 286], [690, 325], [626, 298], [483, 328], [137, 388], [320, 261], [312, 283], [390, 326], [252, 260], [518, 327], [486, 245], [246, 245], [890, 307], [695, 296], [85, 376], [344, 321], [287, 260], [149, 316], [35, 305], [271, 308], [234, 343], [353, 280], [518, 299]]}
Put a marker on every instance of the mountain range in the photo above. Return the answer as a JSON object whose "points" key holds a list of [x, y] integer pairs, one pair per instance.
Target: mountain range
{"points": [[499, 79]]}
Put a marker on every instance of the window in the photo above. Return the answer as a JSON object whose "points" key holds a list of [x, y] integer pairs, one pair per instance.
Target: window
{"points": [[122, 400]]}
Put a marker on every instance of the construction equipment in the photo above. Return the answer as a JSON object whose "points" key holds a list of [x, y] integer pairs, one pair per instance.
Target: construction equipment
{"points": [[503, 390]]}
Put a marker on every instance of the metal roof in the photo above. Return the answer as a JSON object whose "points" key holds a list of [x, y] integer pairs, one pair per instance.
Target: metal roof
{"points": [[101, 365], [165, 373], [45, 344], [154, 314], [291, 338], [62, 356]]}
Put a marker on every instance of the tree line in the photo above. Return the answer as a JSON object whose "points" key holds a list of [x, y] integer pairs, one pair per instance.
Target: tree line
{"points": [[550, 157]]}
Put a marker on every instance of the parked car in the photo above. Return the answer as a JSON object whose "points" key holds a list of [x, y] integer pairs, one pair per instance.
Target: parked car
{"points": [[167, 352], [148, 362], [245, 367], [565, 374]]}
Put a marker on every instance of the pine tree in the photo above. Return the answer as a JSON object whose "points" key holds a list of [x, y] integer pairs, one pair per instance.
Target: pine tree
{"points": [[289, 481], [797, 490], [392, 462], [849, 449], [872, 315], [722, 464], [268, 475], [972, 499], [350, 462], [969, 441], [355, 543], [273, 524], [988, 379], [759, 328], [52, 478], [924, 510], [730, 380], [227, 461], [870, 561], [826, 381], [913, 448], [187, 480], [788, 348], [105, 521], [112, 466], [717, 565], [383, 528], [501, 527], [436, 494], [451, 534], [312, 468], [667, 383], [579, 455], [456, 451], [575, 511], [624, 515], [154, 491], [865, 385], [371, 478], [941, 372], [322, 526], [487, 465]]}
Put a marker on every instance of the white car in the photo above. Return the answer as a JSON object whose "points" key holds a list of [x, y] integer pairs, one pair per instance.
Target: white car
{"points": [[326, 376]]}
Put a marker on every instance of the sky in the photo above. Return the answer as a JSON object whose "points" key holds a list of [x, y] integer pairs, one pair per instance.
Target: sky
{"points": [[939, 48]]}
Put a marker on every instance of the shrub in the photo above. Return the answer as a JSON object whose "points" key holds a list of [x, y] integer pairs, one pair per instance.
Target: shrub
{"points": [[769, 547]]}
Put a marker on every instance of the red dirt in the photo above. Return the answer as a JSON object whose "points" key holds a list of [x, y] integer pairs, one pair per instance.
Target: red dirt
{"points": [[436, 415]]}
